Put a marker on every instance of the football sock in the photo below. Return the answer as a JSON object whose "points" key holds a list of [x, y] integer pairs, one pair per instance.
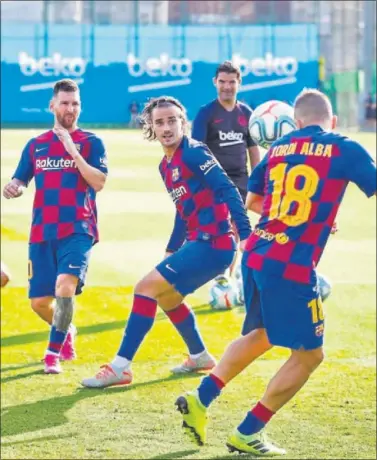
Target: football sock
{"points": [[56, 341], [138, 325], [209, 389], [198, 355], [255, 420], [183, 319], [120, 363]]}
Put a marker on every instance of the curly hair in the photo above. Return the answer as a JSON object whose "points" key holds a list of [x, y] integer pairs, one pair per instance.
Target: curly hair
{"points": [[162, 101]]}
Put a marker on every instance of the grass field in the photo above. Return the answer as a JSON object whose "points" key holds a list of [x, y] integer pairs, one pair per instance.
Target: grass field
{"points": [[54, 417]]}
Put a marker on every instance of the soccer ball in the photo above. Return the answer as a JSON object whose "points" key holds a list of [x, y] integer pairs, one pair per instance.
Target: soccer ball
{"points": [[223, 294], [270, 121], [324, 287]]}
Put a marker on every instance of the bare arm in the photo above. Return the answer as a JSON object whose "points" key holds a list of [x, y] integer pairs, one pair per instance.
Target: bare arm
{"points": [[254, 203], [93, 176]]}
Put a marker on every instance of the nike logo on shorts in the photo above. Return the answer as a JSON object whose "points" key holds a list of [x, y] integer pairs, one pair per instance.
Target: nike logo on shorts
{"points": [[73, 266], [169, 268]]}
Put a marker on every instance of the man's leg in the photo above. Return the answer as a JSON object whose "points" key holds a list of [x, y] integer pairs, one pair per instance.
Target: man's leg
{"points": [[151, 290], [291, 377], [166, 286], [294, 319], [66, 285], [239, 354], [174, 278], [72, 254], [42, 280], [148, 291], [44, 308]]}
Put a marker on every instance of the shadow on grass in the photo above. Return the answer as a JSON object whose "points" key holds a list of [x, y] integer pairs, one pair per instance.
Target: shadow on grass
{"points": [[48, 413], [33, 337], [12, 378], [179, 454], [21, 366], [40, 439]]}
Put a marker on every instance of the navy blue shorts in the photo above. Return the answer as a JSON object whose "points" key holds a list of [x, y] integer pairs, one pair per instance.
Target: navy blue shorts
{"points": [[49, 259], [290, 312], [197, 262]]}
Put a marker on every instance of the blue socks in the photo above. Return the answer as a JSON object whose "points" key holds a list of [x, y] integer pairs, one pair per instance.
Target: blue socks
{"points": [[209, 389], [138, 325], [255, 420], [183, 319]]}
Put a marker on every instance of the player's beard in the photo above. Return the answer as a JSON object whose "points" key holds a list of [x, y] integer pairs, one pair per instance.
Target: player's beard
{"points": [[67, 121]]}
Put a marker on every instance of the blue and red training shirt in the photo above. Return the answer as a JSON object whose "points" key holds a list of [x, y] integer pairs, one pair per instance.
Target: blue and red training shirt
{"points": [[63, 203], [303, 178], [205, 198]]}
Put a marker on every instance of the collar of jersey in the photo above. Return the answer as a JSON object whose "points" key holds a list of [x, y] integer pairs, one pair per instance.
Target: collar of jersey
{"points": [[312, 129]]}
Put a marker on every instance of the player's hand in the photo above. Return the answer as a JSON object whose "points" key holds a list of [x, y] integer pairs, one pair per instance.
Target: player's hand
{"points": [[66, 139], [334, 228], [13, 189], [243, 245]]}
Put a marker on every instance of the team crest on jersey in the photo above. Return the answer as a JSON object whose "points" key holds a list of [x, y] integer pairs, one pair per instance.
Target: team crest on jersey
{"points": [[319, 330], [175, 174], [78, 146], [242, 120]]}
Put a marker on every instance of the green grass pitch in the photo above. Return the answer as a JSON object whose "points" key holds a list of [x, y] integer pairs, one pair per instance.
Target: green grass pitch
{"points": [[52, 417]]}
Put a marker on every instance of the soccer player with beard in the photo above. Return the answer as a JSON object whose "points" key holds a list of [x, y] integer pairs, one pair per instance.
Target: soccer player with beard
{"points": [[223, 126], [201, 246], [69, 166]]}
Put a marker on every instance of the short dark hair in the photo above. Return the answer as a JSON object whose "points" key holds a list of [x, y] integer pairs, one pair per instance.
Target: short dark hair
{"points": [[162, 101], [67, 85], [228, 67]]}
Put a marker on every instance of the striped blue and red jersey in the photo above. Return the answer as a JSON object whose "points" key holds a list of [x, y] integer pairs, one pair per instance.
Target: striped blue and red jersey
{"points": [[64, 203], [205, 198], [303, 178]]}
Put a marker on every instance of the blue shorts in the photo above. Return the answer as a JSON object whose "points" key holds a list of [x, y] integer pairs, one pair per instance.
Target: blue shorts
{"points": [[290, 312], [49, 259], [196, 263]]}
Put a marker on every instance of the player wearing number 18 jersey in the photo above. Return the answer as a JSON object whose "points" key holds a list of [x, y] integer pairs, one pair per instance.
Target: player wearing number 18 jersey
{"points": [[297, 189]]}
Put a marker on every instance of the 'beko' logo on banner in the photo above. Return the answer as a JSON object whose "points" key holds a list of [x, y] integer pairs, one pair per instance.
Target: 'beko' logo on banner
{"points": [[268, 66], [162, 66], [54, 66]]}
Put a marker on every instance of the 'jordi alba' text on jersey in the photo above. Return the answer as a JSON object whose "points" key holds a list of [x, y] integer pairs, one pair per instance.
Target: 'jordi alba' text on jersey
{"points": [[64, 203], [303, 178]]}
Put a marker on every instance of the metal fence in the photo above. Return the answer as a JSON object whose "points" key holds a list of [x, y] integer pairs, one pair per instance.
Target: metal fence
{"points": [[347, 31]]}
